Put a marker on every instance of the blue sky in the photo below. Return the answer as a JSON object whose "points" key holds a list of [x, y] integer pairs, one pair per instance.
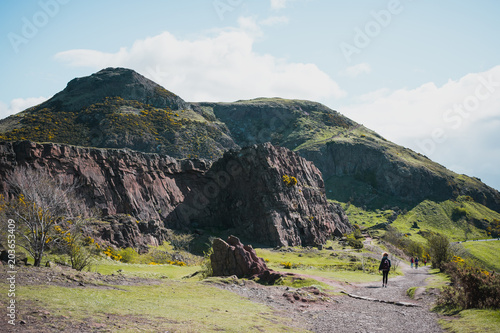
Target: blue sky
{"points": [[424, 74]]}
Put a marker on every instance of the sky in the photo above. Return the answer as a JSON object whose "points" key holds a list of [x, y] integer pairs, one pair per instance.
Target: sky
{"points": [[424, 74]]}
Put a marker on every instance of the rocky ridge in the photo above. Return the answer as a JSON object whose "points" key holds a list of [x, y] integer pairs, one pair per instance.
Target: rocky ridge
{"points": [[243, 191]]}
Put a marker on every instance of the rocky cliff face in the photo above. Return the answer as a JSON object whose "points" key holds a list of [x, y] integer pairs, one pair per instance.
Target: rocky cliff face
{"points": [[146, 186], [392, 171], [243, 191]]}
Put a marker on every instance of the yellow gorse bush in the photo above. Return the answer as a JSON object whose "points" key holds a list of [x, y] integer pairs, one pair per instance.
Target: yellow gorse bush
{"points": [[111, 253], [289, 180], [176, 262]]}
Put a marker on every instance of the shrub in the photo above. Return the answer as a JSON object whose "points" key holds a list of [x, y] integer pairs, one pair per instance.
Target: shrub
{"points": [[129, 255], [353, 242], [401, 241], [357, 232], [112, 253], [181, 241], [289, 180], [471, 287], [439, 250], [206, 265], [494, 229], [458, 212]]}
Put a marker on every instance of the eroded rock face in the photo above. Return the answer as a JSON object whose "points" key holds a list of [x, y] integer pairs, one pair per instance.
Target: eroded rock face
{"points": [[113, 181], [233, 258], [244, 191], [126, 231]]}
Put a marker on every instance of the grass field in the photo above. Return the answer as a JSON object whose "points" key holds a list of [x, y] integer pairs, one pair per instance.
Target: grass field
{"points": [[340, 265], [145, 271], [189, 306], [486, 252], [437, 280], [473, 321]]}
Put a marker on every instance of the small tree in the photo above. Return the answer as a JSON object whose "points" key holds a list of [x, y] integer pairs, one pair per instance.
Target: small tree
{"points": [[180, 241], [80, 249], [439, 250], [39, 203]]}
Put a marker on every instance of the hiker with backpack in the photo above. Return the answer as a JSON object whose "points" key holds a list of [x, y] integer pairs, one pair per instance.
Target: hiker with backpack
{"points": [[385, 267], [416, 263]]}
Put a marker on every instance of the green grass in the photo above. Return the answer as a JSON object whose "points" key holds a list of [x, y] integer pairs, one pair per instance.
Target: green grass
{"points": [[366, 218], [172, 306], [437, 280], [142, 270], [485, 252], [323, 264], [337, 275], [473, 321], [411, 292], [299, 283], [436, 217]]}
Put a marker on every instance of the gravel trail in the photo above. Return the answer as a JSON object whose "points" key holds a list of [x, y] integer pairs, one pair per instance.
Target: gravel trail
{"points": [[356, 315], [351, 315]]}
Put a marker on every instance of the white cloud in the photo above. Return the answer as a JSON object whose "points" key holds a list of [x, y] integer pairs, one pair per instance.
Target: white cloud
{"points": [[354, 71], [18, 105], [221, 66], [457, 124], [278, 4], [274, 20]]}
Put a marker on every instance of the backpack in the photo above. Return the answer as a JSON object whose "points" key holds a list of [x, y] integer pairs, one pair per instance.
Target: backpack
{"points": [[386, 264]]}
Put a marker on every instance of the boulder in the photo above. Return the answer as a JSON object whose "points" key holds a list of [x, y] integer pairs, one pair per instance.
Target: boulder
{"points": [[233, 258]]}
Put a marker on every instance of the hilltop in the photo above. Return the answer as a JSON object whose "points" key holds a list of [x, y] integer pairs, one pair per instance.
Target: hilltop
{"points": [[119, 108]]}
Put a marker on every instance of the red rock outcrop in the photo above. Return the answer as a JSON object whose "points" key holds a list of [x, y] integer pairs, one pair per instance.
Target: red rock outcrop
{"points": [[114, 181], [244, 191], [233, 258]]}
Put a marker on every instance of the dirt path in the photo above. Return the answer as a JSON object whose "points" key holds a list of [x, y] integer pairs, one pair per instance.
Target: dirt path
{"points": [[351, 315], [356, 315]]}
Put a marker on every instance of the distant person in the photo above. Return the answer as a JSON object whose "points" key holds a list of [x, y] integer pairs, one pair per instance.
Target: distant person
{"points": [[385, 267], [416, 263], [425, 261], [411, 261]]}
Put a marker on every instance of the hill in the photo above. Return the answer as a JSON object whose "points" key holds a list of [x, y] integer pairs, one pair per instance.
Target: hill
{"points": [[119, 108], [358, 165]]}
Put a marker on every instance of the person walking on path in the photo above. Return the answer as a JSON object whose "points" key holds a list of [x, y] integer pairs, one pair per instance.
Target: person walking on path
{"points": [[411, 261], [416, 263], [425, 261], [385, 267]]}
